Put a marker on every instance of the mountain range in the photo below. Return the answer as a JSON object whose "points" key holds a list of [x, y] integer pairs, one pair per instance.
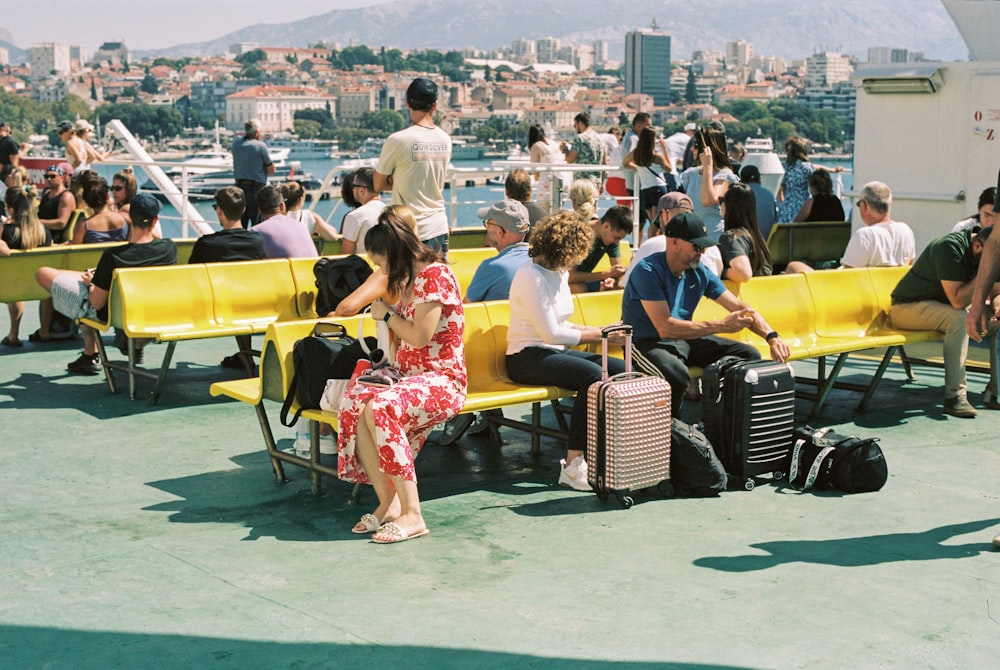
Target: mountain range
{"points": [[783, 28]]}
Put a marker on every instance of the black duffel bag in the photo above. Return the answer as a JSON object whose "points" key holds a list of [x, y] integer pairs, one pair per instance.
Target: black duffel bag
{"points": [[823, 459], [695, 470], [327, 353]]}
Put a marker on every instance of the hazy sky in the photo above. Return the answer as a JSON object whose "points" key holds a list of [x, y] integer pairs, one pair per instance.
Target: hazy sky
{"points": [[152, 24]]}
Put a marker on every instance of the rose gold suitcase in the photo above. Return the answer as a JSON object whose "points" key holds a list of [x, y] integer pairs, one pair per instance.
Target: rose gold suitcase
{"points": [[628, 429]]}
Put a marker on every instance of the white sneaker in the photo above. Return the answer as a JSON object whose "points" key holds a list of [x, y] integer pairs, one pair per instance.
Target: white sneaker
{"points": [[327, 445], [574, 475]]}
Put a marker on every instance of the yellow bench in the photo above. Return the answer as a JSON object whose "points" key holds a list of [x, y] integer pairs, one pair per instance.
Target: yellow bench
{"points": [[17, 271], [239, 299], [488, 388]]}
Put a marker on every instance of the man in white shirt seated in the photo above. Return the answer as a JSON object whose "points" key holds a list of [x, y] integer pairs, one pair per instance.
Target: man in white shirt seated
{"points": [[882, 242]]}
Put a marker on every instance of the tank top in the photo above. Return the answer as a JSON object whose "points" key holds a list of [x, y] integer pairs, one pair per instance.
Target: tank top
{"points": [[98, 236]]}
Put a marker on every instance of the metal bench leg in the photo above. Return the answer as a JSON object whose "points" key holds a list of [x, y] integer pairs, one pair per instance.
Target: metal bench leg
{"points": [[877, 377], [109, 376], [905, 360], [317, 477], [827, 385], [162, 377], [272, 448], [536, 422]]}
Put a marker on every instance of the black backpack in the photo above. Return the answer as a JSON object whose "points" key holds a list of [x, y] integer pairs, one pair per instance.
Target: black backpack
{"points": [[337, 278], [824, 459], [328, 353], [695, 470]]}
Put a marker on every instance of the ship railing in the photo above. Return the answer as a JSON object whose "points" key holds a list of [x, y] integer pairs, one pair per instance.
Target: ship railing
{"points": [[458, 181]]}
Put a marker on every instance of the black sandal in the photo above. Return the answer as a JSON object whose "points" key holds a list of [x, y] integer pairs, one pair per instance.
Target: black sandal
{"points": [[7, 342], [37, 337]]}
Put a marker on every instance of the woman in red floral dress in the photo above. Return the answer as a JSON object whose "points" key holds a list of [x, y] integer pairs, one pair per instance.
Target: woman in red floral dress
{"points": [[383, 428]]}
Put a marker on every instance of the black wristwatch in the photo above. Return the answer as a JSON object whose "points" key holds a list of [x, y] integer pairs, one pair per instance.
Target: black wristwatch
{"points": [[388, 315], [772, 335]]}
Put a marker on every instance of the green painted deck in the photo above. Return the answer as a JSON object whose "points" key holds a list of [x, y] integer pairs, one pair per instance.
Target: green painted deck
{"points": [[155, 536]]}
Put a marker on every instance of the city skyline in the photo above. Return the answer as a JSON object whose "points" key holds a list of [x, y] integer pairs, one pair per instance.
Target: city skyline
{"points": [[924, 26]]}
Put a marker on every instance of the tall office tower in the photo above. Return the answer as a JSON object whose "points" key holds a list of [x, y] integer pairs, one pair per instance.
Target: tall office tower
{"points": [[738, 53], [49, 58], [600, 53], [827, 68], [546, 49], [647, 64]]}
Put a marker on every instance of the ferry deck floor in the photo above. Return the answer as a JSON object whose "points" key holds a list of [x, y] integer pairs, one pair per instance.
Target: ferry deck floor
{"points": [[155, 536]]}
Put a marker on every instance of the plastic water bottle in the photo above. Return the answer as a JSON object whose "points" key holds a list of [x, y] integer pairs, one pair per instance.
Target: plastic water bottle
{"points": [[302, 439]]}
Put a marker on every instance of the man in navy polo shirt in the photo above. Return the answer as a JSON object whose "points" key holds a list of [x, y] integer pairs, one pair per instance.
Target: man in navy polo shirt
{"points": [[661, 295]]}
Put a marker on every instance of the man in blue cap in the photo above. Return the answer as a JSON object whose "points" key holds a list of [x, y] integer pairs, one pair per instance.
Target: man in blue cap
{"points": [[661, 295], [85, 294]]}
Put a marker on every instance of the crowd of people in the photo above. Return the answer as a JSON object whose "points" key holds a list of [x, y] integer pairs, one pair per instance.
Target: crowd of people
{"points": [[704, 220]]}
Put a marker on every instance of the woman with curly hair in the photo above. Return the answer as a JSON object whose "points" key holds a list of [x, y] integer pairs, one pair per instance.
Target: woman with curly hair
{"points": [[23, 230], [540, 336]]}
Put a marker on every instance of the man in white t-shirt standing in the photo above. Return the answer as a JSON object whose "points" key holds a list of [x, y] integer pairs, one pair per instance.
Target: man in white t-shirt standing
{"points": [[359, 221], [413, 165], [882, 242]]}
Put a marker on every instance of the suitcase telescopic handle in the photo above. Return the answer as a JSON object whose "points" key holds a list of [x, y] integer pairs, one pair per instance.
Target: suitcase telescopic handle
{"points": [[605, 332]]}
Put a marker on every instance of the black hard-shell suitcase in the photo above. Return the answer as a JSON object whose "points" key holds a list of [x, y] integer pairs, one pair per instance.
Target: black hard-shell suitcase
{"points": [[628, 429], [749, 411]]}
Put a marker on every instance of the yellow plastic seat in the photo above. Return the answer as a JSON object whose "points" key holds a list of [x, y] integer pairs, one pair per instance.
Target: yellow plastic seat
{"points": [[165, 303], [847, 308], [465, 262], [253, 294]]}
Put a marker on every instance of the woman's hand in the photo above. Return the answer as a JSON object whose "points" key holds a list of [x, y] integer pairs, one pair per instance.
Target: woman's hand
{"points": [[379, 310], [706, 158]]}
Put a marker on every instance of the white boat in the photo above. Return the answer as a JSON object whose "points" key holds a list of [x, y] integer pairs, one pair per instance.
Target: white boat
{"points": [[760, 154], [215, 159], [299, 148], [463, 151], [371, 147]]}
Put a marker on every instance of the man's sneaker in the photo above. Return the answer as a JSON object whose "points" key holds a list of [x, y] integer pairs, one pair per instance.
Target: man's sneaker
{"points": [[960, 407], [86, 364], [990, 400], [996, 542], [574, 475]]}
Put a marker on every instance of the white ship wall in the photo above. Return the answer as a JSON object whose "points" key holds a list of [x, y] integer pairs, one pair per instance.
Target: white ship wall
{"points": [[936, 151]]}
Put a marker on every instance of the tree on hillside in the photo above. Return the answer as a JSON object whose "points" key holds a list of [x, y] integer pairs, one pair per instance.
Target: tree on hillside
{"points": [[149, 84], [144, 120], [691, 93], [250, 57], [386, 120]]}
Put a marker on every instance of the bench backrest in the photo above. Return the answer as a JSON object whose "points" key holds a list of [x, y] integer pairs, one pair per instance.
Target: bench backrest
{"points": [[785, 303], [253, 293], [147, 301], [465, 262], [844, 302], [480, 346], [276, 363], [884, 280], [809, 241]]}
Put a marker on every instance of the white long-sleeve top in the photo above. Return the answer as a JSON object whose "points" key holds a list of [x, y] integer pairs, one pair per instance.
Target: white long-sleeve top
{"points": [[540, 304]]}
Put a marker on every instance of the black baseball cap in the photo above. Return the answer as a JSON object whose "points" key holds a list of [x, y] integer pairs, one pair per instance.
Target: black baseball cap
{"points": [[689, 226], [421, 94]]}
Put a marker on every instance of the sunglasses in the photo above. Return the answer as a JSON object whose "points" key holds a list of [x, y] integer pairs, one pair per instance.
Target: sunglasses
{"points": [[698, 249], [51, 176], [117, 188]]}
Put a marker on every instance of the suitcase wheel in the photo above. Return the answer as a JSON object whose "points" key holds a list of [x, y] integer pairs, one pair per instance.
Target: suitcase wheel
{"points": [[626, 501], [778, 475], [749, 484]]}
